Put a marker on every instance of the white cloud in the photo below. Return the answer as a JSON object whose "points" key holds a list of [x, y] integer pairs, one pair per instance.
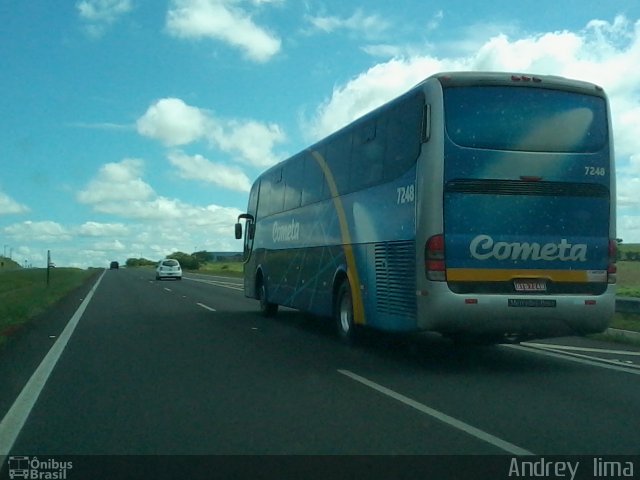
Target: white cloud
{"points": [[435, 21], [253, 141], [151, 226], [384, 50], [98, 14], [371, 89], [604, 53], [118, 189], [110, 246], [629, 183], [358, 22], [174, 123], [37, 231], [222, 20], [9, 206], [103, 10], [197, 167], [117, 183], [97, 229]]}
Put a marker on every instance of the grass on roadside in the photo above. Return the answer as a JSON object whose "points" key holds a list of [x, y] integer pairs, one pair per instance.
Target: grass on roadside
{"points": [[24, 294], [628, 279], [626, 321], [229, 269]]}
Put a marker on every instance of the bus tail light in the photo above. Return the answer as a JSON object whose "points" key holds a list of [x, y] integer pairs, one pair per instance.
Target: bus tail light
{"points": [[612, 269], [434, 259]]}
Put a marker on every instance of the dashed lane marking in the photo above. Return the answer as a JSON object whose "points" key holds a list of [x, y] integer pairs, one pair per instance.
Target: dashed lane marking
{"points": [[206, 307], [453, 422], [225, 284]]}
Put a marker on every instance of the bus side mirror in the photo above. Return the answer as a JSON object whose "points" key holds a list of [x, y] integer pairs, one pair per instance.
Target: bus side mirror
{"points": [[249, 218]]}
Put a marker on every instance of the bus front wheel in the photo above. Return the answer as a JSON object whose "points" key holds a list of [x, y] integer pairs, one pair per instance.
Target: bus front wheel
{"points": [[343, 315], [267, 309]]}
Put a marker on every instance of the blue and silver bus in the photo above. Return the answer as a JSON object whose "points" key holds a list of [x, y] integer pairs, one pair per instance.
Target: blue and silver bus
{"points": [[476, 205]]}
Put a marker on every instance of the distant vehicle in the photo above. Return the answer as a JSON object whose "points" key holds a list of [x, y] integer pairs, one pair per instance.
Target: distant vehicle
{"points": [[476, 205], [114, 266], [168, 268]]}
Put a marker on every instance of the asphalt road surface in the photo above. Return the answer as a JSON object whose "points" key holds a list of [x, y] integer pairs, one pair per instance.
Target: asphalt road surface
{"points": [[189, 367]]}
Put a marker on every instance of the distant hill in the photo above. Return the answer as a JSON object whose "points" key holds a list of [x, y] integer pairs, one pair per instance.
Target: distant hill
{"points": [[8, 264]]}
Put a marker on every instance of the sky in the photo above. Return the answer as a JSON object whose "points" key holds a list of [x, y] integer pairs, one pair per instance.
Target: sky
{"points": [[135, 128]]}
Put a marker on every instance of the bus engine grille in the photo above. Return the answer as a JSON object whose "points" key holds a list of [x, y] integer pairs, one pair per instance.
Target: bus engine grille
{"points": [[395, 278]]}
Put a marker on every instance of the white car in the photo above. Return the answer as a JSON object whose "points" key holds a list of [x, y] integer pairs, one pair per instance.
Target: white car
{"points": [[168, 268]]}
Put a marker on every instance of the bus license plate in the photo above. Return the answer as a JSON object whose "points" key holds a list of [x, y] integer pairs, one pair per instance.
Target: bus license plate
{"points": [[530, 284], [531, 302]]}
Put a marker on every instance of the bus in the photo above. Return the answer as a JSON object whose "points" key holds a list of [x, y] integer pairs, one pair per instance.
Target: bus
{"points": [[478, 205]]}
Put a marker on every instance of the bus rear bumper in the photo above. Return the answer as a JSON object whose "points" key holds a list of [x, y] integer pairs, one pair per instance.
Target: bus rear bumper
{"points": [[514, 316]]}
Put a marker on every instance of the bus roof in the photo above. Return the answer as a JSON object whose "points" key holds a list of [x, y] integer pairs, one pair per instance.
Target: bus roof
{"points": [[462, 78], [513, 78]]}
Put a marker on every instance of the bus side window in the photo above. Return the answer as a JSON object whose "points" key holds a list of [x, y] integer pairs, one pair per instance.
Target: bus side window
{"points": [[254, 196], [404, 135], [338, 159], [367, 157], [293, 179], [313, 182], [272, 193]]}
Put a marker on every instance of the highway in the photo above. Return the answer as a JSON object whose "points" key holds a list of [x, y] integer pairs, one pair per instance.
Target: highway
{"points": [[190, 368]]}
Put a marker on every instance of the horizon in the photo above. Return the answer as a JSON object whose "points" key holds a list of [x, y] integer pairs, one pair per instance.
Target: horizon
{"points": [[133, 130]]}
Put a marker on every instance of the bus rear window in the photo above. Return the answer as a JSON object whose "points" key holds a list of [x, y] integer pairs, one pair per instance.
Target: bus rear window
{"points": [[525, 119]]}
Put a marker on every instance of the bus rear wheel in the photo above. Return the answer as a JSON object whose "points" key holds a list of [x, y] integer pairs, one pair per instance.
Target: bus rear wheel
{"points": [[267, 309], [343, 314]]}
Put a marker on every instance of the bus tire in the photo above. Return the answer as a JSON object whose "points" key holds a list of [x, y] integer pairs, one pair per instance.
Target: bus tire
{"points": [[267, 309], [343, 314]]}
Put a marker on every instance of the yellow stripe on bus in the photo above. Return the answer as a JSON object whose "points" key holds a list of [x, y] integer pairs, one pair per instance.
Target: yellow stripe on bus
{"points": [[498, 275], [352, 271]]}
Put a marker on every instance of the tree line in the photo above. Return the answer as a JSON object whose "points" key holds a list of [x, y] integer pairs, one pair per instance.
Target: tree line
{"points": [[188, 261]]}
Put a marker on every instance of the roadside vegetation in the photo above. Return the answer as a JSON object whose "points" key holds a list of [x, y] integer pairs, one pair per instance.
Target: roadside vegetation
{"points": [[200, 262], [629, 279], [24, 293], [229, 269], [628, 286]]}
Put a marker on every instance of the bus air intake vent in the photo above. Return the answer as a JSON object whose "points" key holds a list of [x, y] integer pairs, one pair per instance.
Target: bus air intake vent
{"points": [[395, 278], [518, 187]]}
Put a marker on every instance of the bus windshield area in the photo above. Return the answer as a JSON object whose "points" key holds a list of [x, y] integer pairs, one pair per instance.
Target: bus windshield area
{"points": [[525, 119]]}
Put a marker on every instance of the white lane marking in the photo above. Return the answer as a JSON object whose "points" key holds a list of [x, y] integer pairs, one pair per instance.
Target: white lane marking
{"points": [[17, 415], [551, 346], [228, 284], [453, 422], [167, 289], [209, 277], [578, 358], [206, 307]]}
